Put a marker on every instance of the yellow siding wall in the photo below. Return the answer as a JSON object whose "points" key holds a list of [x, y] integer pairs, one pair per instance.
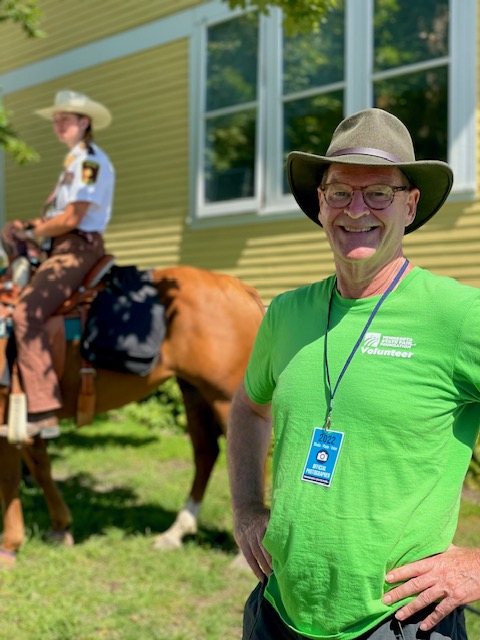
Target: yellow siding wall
{"points": [[148, 143], [279, 256], [72, 23]]}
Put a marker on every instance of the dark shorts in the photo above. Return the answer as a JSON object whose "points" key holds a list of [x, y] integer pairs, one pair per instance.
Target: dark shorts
{"points": [[262, 622]]}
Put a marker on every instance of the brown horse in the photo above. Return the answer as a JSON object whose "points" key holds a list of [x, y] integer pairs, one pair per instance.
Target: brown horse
{"points": [[212, 320]]}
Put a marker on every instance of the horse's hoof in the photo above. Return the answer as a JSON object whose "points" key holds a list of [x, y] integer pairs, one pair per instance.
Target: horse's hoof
{"points": [[63, 538], [7, 559], [185, 524], [166, 542]]}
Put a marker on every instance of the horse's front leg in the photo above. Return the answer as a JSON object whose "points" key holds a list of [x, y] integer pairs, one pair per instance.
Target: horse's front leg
{"points": [[38, 461], [204, 430], [13, 524]]}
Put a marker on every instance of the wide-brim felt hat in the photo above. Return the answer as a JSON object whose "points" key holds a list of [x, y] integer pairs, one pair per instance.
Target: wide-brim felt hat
{"points": [[376, 138], [74, 102]]}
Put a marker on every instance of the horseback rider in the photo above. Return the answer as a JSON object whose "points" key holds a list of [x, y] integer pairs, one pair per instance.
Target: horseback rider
{"points": [[70, 229]]}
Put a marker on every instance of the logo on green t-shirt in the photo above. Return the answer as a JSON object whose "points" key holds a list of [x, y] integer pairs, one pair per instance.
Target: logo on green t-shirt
{"points": [[376, 344]]}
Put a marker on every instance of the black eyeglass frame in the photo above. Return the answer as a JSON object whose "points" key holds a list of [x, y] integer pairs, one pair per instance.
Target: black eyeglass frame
{"points": [[363, 190]]}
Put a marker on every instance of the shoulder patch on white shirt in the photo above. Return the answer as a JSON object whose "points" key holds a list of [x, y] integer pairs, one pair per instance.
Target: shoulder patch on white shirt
{"points": [[90, 171]]}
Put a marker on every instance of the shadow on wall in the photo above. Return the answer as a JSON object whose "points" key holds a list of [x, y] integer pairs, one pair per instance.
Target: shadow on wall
{"points": [[223, 247], [220, 247]]}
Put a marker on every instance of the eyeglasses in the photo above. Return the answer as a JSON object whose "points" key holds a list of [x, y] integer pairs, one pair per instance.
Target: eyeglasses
{"points": [[375, 196]]}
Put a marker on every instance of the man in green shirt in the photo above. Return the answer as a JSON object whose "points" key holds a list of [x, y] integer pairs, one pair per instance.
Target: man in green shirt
{"points": [[371, 380]]}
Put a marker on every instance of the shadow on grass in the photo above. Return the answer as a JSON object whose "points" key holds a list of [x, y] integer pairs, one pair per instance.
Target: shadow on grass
{"points": [[84, 441], [95, 510]]}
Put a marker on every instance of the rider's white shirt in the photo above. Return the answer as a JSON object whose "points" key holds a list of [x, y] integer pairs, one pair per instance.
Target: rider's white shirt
{"points": [[88, 176]]}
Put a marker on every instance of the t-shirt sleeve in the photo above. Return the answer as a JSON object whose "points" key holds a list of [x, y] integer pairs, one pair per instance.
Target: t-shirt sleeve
{"points": [[259, 380], [467, 357]]}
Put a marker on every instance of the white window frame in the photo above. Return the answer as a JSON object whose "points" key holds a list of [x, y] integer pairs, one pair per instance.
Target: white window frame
{"points": [[269, 202]]}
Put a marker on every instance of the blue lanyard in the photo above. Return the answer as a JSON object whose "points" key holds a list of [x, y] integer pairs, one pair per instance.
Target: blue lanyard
{"points": [[391, 287]]}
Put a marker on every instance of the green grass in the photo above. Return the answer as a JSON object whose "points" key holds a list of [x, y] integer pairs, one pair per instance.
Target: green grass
{"points": [[468, 534], [124, 483]]}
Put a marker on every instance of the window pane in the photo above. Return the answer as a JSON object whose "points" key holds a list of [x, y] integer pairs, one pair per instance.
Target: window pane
{"points": [[232, 62], [309, 124], [230, 156], [316, 59], [407, 32], [420, 100]]}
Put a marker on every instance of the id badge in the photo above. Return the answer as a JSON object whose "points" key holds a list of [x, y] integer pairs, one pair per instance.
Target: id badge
{"points": [[323, 456]]}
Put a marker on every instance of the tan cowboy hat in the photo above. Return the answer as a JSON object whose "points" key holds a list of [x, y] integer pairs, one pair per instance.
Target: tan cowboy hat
{"points": [[375, 138], [74, 102]]}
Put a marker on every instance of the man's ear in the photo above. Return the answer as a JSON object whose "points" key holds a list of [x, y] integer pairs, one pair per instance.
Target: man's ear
{"points": [[412, 202], [321, 201]]}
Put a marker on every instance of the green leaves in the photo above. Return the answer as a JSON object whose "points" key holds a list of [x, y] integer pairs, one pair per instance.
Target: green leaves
{"points": [[9, 142], [27, 15], [300, 16]]}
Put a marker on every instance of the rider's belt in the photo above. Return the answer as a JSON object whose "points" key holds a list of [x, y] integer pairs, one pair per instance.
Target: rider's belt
{"points": [[88, 236]]}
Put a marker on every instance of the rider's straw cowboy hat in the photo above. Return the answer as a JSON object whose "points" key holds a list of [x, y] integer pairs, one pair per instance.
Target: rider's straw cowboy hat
{"points": [[73, 102], [375, 138]]}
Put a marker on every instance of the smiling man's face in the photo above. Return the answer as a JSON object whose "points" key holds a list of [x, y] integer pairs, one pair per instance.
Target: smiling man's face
{"points": [[357, 232]]}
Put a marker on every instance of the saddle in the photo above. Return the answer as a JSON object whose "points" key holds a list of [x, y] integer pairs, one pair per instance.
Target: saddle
{"points": [[12, 282]]}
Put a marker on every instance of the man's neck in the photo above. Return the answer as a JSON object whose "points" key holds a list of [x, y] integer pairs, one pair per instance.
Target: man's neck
{"points": [[359, 281]]}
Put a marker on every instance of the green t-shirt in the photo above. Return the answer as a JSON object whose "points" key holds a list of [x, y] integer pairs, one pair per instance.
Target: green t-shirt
{"points": [[409, 408]]}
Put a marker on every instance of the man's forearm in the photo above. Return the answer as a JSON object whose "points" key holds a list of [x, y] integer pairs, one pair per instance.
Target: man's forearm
{"points": [[248, 442]]}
